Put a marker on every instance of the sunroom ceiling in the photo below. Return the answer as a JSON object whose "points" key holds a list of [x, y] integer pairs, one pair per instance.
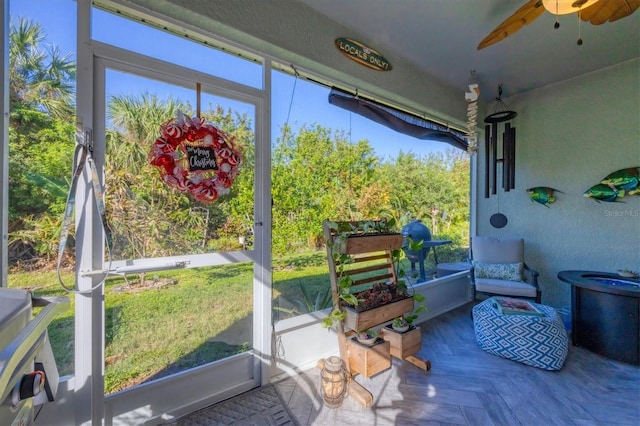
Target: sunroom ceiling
{"points": [[441, 37]]}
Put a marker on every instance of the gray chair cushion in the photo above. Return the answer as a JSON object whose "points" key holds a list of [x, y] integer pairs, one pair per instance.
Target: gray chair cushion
{"points": [[512, 288], [497, 250]]}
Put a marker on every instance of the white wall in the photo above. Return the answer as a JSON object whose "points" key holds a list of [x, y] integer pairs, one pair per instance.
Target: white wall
{"points": [[569, 136]]}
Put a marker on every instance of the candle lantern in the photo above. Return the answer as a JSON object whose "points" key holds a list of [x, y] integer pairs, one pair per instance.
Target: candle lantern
{"points": [[333, 381]]}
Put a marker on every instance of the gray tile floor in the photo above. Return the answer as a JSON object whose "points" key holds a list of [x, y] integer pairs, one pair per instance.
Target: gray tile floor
{"points": [[467, 386]]}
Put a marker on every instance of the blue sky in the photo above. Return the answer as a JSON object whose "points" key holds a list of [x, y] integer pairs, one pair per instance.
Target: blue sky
{"points": [[307, 105]]}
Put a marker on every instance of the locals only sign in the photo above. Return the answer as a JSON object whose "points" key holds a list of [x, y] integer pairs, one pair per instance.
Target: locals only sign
{"points": [[362, 54]]}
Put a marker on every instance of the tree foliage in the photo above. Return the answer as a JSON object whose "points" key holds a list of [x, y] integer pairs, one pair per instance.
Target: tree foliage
{"points": [[316, 174], [434, 189], [41, 77], [41, 138], [147, 217]]}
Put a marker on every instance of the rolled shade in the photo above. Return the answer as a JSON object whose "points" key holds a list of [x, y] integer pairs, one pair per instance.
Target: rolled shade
{"points": [[397, 120]]}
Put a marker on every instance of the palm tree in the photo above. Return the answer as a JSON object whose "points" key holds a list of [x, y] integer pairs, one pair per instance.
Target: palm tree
{"points": [[41, 137], [134, 123], [40, 76], [147, 217]]}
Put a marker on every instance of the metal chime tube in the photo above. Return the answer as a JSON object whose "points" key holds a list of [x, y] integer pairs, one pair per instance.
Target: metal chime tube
{"points": [[512, 151], [494, 157], [506, 157], [487, 149]]}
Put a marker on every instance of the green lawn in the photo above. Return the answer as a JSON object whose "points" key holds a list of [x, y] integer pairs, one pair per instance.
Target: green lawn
{"points": [[158, 331], [202, 315]]}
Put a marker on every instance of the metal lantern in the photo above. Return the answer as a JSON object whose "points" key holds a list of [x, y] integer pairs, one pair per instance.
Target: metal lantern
{"points": [[333, 379]]}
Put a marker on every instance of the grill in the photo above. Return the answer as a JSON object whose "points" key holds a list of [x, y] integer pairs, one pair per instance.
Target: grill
{"points": [[28, 372], [418, 231]]}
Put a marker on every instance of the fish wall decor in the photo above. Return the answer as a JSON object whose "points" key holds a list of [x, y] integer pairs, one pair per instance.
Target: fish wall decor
{"points": [[543, 195], [626, 179], [603, 192]]}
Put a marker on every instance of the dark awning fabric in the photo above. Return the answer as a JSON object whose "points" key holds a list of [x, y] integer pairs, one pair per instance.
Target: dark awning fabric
{"points": [[397, 120]]}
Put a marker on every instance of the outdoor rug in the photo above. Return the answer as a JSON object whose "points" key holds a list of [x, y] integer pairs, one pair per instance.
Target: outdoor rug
{"points": [[258, 407]]}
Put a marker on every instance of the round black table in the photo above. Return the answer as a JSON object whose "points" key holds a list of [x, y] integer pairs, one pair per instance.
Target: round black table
{"points": [[605, 313]]}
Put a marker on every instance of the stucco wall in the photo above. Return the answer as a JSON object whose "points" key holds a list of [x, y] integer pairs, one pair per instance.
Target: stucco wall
{"points": [[569, 136]]}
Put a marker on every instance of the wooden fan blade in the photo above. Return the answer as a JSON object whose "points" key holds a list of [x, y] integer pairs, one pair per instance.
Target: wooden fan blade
{"points": [[523, 16], [609, 11]]}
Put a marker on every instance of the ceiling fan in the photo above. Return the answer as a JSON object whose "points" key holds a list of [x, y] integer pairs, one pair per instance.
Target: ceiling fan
{"points": [[594, 11]]}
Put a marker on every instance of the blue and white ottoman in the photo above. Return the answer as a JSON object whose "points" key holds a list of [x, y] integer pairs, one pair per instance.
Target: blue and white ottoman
{"points": [[539, 341]]}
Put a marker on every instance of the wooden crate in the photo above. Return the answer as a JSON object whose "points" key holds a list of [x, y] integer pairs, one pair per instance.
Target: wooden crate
{"points": [[403, 344], [368, 360], [359, 321], [358, 244]]}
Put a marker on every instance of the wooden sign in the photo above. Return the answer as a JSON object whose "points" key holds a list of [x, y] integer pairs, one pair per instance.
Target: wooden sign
{"points": [[201, 158], [362, 54]]}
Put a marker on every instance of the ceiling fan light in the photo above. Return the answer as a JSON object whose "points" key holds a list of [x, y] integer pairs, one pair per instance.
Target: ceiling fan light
{"points": [[563, 7]]}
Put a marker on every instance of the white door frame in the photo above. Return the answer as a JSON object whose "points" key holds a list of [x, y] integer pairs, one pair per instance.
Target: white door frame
{"points": [[162, 399]]}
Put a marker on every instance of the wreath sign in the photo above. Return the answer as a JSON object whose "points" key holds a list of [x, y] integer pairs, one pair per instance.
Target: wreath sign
{"points": [[196, 157]]}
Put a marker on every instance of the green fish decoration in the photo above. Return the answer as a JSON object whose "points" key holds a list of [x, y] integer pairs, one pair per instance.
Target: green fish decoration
{"points": [[603, 192], [543, 195], [626, 179]]}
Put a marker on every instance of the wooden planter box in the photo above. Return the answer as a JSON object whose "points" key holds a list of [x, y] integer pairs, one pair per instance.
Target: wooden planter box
{"points": [[368, 360], [359, 321], [358, 244], [403, 344]]}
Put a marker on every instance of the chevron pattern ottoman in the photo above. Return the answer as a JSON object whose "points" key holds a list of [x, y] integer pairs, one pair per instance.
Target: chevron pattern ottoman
{"points": [[539, 341]]}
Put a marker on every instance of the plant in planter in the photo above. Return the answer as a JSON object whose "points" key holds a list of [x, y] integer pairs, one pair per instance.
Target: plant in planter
{"points": [[367, 337], [400, 324], [379, 294], [369, 290], [404, 322], [345, 240]]}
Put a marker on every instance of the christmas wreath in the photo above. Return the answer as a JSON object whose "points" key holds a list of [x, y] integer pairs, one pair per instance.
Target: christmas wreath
{"points": [[196, 157]]}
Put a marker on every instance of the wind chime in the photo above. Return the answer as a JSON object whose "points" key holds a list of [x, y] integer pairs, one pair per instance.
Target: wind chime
{"points": [[501, 114]]}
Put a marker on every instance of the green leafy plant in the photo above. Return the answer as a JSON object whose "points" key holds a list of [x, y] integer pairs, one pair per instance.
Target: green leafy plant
{"points": [[420, 307], [367, 335], [399, 322], [418, 298], [334, 317], [309, 304]]}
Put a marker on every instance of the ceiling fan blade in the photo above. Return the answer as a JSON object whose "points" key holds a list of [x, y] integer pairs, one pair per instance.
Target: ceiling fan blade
{"points": [[523, 16], [609, 11]]}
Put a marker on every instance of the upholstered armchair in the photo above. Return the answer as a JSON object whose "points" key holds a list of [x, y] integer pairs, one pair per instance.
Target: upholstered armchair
{"points": [[498, 268]]}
